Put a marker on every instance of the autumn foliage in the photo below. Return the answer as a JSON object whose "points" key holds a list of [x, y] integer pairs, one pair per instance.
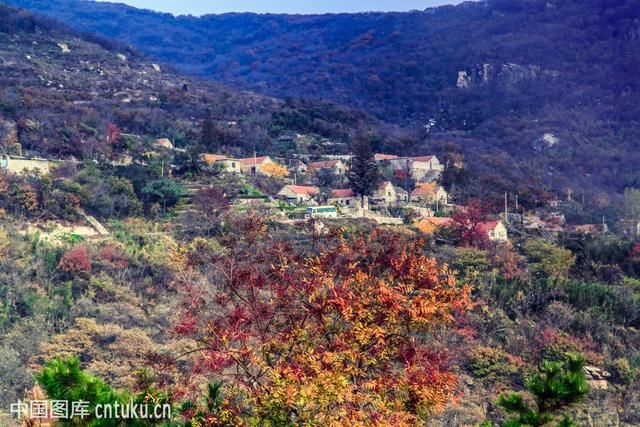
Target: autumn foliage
{"points": [[275, 170], [76, 260], [343, 336], [467, 225]]}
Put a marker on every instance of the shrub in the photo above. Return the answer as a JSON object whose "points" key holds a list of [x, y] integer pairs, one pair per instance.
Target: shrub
{"points": [[493, 363], [76, 260], [621, 371]]}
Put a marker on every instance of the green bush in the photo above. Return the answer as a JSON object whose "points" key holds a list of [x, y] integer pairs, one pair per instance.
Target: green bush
{"points": [[621, 371], [492, 363], [556, 386]]}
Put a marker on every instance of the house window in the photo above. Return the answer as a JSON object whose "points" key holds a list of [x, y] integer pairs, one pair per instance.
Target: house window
{"points": [[346, 202]]}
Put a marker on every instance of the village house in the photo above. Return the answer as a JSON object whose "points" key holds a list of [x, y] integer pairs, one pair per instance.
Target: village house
{"points": [[384, 157], [297, 166], [432, 224], [629, 228], [164, 143], [429, 194], [336, 166], [228, 165], [421, 168], [345, 198], [298, 194], [402, 196], [495, 230], [590, 229], [254, 165], [385, 195]]}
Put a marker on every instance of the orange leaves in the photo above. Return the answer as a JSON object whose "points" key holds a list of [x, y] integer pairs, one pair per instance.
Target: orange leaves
{"points": [[341, 338], [275, 170]]}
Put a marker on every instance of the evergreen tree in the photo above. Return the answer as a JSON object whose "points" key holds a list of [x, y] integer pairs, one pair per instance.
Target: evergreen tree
{"points": [[557, 385], [363, 174], [208, 135], [64, 380]]}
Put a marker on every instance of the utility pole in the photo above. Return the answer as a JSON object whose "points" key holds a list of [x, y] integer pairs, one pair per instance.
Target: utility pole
{"points": [[506, 208], [406, 179]]}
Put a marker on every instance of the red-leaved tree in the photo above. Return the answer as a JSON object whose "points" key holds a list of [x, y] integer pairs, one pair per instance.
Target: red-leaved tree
{"points": [[340, 337], [76, 260], [467, 225], [113, 134]]}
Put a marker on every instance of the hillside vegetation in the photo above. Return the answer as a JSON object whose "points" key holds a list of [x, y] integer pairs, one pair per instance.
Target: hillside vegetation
{"points": [[535, 68], [61, 89], [137, 269]]}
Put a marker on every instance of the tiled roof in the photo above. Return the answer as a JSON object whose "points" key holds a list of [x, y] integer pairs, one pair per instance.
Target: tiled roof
{"points": [[380, 157], [424, 190], [422, 159], [250, 161], [488, 226], [212, 158], [429, 225], [303, 189], [342, 194]]}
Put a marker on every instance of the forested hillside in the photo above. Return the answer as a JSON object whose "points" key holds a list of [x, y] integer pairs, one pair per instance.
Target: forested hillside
{"points": [[170, 240], [61, 90], [547, 99]]}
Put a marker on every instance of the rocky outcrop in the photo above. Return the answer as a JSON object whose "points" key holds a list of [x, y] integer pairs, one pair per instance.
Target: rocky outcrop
{"points": [[514, 73], [509, 74], [544, 142], [597, 378], [464, 81]]}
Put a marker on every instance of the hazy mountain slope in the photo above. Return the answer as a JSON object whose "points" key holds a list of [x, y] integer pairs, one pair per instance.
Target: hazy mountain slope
{"points": [[59, 91], [534, 67], [394, 64]]}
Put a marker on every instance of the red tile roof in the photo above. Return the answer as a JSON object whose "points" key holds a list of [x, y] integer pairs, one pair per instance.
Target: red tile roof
{"points": [[212, 158], [425, 190], [342, 194], [303, 189], [488, 226], [250, 161], [430, 224], [380, 157], [422, 159]]}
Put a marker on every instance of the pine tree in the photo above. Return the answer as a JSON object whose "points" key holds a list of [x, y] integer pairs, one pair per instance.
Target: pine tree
{"points": [[64, 380], [208, 134], [363, 174], [556, 386]]}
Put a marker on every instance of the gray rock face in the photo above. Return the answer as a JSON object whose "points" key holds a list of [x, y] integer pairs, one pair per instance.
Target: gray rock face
{"points": [[514, 73], [544, 142], [507, 75]]}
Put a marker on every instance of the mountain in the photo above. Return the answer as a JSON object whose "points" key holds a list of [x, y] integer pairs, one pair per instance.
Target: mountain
{"points": [[61, 90], [531, 90]]}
